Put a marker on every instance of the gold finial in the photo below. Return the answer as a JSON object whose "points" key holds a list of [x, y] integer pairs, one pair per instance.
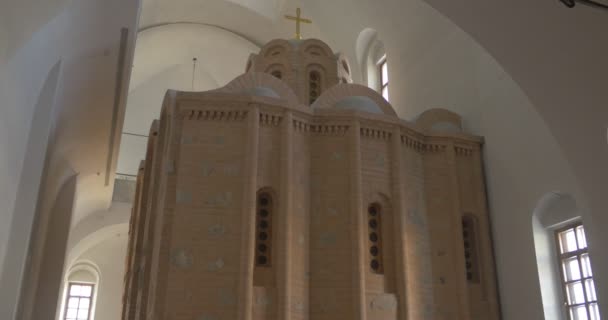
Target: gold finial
{"points": [[298, 19]]}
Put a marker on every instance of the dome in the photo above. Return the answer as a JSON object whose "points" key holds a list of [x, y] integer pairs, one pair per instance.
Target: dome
{"points": [[261, 92], [359, 103]]}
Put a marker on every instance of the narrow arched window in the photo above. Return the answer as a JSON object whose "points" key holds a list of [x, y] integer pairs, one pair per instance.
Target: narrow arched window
{"points": [[263, 242], [374, 226], [277, 74], [78, 301], [383, 73], [469, 236], [314, 86]]}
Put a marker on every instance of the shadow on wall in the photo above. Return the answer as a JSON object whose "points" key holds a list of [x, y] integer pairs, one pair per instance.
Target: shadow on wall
{"points": [[553, 211], [18, 229]]}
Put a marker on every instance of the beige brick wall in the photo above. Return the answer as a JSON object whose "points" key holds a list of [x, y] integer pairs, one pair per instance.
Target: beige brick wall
{"points": [[194, 221]]}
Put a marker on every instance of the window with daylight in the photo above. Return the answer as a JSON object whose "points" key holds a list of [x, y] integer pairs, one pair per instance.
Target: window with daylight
{"points": [[78, 301], [383, 70], [374, 215], [576, 274], [263, 242]]}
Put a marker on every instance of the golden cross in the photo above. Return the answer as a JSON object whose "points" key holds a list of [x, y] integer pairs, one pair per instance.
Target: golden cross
{"points": [[298, 19]]}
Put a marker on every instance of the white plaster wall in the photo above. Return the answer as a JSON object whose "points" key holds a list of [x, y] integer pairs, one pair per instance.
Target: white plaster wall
{"points": [[75, 37], [163, 60], [523, 161], [432, 63], [109, 256], [21, 81]]}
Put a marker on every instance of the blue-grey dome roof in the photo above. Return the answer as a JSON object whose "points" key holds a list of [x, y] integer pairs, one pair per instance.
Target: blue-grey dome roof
{"points": [[360, 103]]}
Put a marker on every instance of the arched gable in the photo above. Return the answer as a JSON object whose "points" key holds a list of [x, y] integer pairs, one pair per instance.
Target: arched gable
{"points": [[440, 120], [275, 48], [316, 47], [342, 91]]}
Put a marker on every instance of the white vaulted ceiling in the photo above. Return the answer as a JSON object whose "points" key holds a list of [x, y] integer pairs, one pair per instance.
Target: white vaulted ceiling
{"points": [[528, 75], [163, 60]]}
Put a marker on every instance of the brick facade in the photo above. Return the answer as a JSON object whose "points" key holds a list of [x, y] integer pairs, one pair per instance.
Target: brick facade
{"points": [[193, 253]]}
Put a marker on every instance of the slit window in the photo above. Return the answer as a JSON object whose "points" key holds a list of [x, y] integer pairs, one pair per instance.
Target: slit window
{"points": [[469, 237], [314, 86], [263, 242], [374, 226]]}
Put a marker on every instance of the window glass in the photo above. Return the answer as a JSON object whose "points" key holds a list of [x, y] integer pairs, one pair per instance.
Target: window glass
{"points": [[383, 69], [78, 301], [577, 277], [384, 73]]}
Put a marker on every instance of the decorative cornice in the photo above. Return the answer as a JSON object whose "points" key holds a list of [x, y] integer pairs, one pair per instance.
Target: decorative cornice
{"points": [[328, 129], [301, 126], [465, 151], [218, 115], [412, 143], [434, 148], [270, 119], [374, 133]]}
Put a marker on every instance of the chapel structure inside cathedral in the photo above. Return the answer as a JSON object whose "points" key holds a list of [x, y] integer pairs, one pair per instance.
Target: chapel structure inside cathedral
{"points": [[292, 193]]}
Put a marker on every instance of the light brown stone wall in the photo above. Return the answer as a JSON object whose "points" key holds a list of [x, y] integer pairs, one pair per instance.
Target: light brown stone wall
{"points": [[194, 220], [331, 245], [204, 270], [301, 212], [418, 259]]}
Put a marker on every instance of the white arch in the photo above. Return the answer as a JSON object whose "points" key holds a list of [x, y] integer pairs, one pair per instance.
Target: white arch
{"points": [[369, 51], [86, 266]]}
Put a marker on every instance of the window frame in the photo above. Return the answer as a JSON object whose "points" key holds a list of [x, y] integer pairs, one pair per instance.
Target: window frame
{"points": [[68, 296], [561, 260], [472, 272], [269, 207], [381, 63], [377, 243]]}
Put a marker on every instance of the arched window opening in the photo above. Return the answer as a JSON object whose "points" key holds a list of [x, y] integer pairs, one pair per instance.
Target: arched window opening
{"points": [[469, 234], [263, 242], [374, 225], [383, 72], [79, 292], [372, 58], [576, 275], [314, 86], [79, 300], [277, 74]]}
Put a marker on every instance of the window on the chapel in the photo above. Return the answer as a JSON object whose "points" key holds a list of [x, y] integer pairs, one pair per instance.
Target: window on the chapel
{"points": [[78, 301], [383, 70], [469, 234], [263, 243], [314, 86], [277, 74], [374, 215], [576, 274]]}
